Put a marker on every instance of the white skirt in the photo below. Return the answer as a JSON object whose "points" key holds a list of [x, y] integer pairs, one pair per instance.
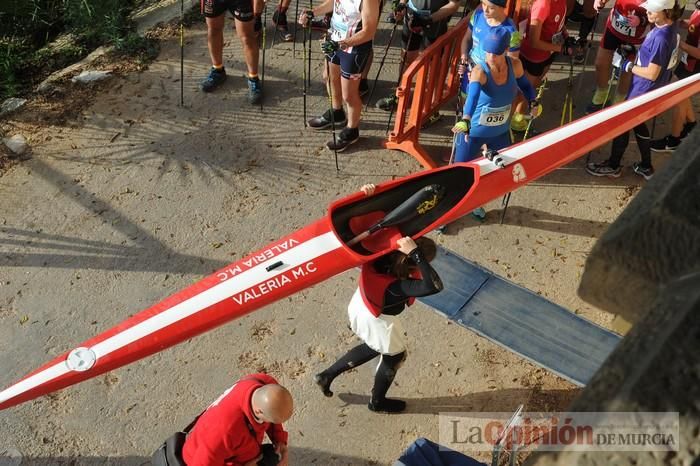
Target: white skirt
{"points": [[384, 334]]}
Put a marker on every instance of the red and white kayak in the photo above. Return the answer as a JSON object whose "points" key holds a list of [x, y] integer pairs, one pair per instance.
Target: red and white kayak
{"points": [[320, 251]]}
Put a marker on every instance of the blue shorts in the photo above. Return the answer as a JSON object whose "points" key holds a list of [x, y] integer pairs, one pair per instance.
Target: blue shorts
{"points": [[471, 149], [352, 63]]}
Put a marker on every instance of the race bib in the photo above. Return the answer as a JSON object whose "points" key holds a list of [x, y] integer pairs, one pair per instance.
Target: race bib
{"points": [[339, 30], [494, 116], [621, 25]]}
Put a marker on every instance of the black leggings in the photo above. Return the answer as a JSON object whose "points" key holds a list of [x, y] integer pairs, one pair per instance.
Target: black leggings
{"points": [[361, 354], [619, 144]]}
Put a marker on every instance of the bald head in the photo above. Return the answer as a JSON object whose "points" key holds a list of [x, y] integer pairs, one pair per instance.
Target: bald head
{"points": [[273, 403]]}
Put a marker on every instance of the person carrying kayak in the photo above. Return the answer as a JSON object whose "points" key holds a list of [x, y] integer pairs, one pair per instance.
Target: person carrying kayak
{"points": [[386, 286]]}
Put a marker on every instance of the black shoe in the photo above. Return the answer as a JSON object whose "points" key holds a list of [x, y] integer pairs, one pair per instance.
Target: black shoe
{"points": [[580, 51], [324, 381], [213, 80], [388, 104], [324, 121], [687, 128], [346, 137], [645, 172], [364, 87], [387, 405], [665, 144]]}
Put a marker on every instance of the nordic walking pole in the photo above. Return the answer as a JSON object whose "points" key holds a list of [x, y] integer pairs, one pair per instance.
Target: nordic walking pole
{"points": [[381, 64], [182, 53], [264, 27], [303, 69], [296, 25], [398, 7], [398, 82], [569, 98], [330, 99], [308, 71]]}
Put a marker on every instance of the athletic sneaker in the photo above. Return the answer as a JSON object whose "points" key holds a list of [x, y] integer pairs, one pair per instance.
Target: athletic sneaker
{"points": [[279, 19], [390, 18], [254, 91], [213, 80], [324, 121], [388, 104], [479, 214], [646, 172], [592, 108], [346, 137], [364, 87], [604, 169], [687, 128], [324, 381], [387, 405], [665, 144]]}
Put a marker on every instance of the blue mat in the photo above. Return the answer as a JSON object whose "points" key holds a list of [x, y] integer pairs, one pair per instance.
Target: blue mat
{"points": [[424, 452], [519, 320]]}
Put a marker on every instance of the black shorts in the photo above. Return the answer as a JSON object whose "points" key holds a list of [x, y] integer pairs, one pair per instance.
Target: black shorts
{"points": [[611, 42], [352, 63], [536, 68], [242, 10], [425, 37], [681, 71]]}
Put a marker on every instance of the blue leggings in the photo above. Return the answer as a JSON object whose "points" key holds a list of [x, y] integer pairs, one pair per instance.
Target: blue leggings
{"points": [[471, 149]]}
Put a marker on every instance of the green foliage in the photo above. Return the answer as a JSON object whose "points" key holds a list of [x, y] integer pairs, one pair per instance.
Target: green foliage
{"points": [[27, 26]]}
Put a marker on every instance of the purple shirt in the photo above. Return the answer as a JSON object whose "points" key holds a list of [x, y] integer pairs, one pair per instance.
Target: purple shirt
{"points": [[659, 47]]}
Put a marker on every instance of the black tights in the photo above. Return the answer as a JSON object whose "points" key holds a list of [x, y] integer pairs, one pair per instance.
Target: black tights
{"points": [[362, 354], [619, 144]]}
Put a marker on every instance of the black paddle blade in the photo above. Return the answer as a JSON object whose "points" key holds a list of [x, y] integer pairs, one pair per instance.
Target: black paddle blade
{"points": [[419, 203]]}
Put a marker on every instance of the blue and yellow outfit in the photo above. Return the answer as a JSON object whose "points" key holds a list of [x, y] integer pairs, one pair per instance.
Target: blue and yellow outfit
{"points": [[491, 117]]}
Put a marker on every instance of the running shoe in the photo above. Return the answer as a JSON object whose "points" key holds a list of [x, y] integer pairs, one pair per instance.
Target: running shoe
{"points": [[388, 104], [346, 137], [665, 144], [687, 128], [213, 80], [254, 91], [604, 169], [324, 121], [646, 172]]}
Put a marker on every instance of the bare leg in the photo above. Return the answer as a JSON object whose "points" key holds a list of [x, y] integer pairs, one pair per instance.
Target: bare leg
{"points": [[680, 117], [603, 62], [351, 96], [245, 32], [215, 40], [336, 88]]}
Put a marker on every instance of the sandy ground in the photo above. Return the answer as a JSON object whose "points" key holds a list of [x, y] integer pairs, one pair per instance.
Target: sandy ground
{"points": [[134, 198]]}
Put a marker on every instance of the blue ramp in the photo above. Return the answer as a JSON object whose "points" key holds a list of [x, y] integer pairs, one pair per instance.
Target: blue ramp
{"points": [[519, 320]]}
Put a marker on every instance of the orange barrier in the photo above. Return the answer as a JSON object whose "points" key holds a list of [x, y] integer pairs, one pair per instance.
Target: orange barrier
{"points": [[433, 78]]}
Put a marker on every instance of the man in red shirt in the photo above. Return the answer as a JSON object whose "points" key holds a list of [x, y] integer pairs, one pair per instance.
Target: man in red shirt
{"points": [[231, 431]]}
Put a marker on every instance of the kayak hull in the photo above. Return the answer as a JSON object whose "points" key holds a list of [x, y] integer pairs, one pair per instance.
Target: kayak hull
{"points": [[319, 251]]}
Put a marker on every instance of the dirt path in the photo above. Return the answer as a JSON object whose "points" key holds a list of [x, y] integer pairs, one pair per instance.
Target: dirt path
{"points": [[135, 198]]}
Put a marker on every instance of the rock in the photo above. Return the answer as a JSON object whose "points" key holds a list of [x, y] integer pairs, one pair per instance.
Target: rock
{"points": [[91, 76], [17, 144], [11, 104]]}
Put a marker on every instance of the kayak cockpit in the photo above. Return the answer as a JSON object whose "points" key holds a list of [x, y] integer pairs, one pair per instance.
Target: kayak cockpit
{"points": [[350, 215]]}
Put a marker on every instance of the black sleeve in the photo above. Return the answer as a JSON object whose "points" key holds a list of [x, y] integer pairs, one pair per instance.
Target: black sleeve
{"points": [[429, 284]]}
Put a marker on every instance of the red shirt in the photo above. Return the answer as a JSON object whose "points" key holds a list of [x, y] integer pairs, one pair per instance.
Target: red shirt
{"points": [[552, 15], [691, 64], [620, 28], [222, 437]]}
